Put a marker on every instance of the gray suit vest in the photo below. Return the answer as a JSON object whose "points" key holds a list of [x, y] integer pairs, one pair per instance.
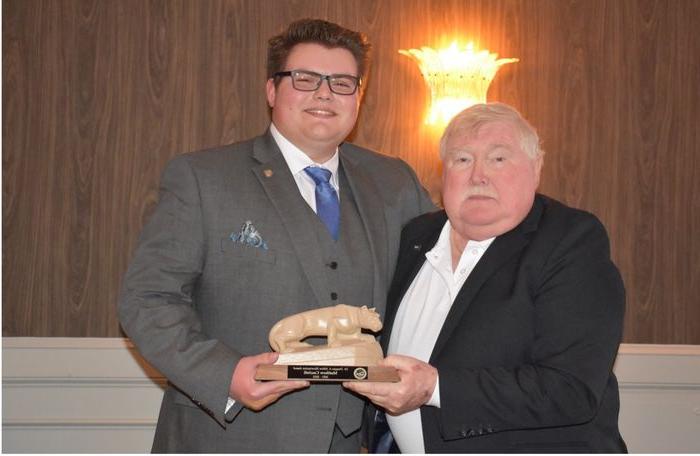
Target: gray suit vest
{"points": [[348, 262], [349, 273]]}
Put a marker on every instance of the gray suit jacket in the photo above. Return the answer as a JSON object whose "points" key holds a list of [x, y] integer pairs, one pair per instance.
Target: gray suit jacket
{"points": [[194, 301]]}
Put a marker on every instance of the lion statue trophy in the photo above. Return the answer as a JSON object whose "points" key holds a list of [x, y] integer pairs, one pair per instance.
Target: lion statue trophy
{"points": [[347, 345]]}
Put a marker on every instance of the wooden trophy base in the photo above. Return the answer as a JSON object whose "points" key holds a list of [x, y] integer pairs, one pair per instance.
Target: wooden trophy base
{"points": [[354, 362], [327, 373]]}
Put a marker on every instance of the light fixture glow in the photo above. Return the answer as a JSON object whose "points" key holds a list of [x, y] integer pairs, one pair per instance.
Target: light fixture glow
{"points": [[457, 78]]}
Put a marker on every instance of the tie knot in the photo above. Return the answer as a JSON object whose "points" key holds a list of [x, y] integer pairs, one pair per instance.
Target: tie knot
{"points": [[318, 174]]}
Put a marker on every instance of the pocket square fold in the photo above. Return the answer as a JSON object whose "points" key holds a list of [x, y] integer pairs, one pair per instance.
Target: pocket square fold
{"points": [[249, 236]]}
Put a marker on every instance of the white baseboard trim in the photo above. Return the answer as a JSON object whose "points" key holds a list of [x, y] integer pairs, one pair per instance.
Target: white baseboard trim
{"points": [[659, 397], [97, 395], [77, 395]]}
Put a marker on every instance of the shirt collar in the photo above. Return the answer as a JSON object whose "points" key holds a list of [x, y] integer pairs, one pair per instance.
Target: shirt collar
{"points": [[297, 160], [440, 256]]}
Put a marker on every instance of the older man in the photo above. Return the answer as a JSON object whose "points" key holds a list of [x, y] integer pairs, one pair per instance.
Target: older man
{"points": [[505, 313]]}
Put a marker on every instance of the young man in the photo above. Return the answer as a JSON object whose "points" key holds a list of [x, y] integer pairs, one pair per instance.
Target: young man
{"points": [[249, 233]]}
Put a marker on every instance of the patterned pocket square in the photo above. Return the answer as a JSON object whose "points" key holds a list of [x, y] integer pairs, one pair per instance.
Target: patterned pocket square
{"points": [[249, 236]]}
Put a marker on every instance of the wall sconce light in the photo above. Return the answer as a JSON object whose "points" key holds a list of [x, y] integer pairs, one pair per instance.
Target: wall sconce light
{"points": [[456, 78]]}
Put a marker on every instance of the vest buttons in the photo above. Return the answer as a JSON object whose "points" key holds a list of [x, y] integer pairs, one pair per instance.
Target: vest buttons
{"points": [[333, 265], [334, 296]]}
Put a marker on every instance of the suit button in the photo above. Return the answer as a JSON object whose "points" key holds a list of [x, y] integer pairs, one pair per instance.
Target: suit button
{"points": [[334, 296], [471, 433], [333, 265], [463, 433]]}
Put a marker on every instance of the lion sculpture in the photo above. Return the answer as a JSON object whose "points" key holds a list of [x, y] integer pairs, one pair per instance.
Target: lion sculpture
{"points": [[342, 324]]}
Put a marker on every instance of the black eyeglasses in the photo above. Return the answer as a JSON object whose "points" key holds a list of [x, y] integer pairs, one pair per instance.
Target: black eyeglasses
{"points": [[308, 81]]}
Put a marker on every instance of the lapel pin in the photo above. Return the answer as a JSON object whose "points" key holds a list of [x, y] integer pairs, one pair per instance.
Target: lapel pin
{"points": [[416, 246], [268, 173]]}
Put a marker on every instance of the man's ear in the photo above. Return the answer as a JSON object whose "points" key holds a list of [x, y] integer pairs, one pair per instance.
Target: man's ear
{"points": [[271, 91], [539, 161]]}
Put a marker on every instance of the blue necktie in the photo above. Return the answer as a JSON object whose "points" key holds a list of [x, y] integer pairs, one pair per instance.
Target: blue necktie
{"points": [[384, 442], [327, 206]]}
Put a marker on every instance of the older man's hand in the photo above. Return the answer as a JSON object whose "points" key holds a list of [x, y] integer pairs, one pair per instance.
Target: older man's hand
{"points": [[415, 388]]}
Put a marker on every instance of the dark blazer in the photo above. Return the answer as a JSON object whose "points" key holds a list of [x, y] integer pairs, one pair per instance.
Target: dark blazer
{"points": [[194, 301], [526, 353]]}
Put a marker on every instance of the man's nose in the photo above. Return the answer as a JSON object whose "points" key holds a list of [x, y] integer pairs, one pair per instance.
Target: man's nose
{"points": [[324, 90], [479, 174]]}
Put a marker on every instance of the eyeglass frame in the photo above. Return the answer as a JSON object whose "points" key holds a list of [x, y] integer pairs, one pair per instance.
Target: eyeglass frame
{"points": [[321, 78]]}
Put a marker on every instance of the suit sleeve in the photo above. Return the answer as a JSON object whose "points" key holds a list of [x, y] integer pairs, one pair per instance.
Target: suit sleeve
{"points": [[578, 304], [156, 307]]}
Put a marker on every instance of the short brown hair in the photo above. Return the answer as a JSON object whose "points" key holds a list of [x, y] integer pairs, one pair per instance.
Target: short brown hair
{"points": [[321, 32]]}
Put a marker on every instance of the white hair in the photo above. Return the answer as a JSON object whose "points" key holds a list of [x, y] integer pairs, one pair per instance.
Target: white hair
{"points": [[474, 117]]}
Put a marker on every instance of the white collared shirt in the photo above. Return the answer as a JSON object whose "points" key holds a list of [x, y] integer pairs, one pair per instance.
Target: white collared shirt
{"points": [[420, 318], [297, 160]]}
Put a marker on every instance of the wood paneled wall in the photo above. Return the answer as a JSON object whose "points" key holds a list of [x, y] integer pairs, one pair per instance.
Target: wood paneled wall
{"points": [[99, 94]]}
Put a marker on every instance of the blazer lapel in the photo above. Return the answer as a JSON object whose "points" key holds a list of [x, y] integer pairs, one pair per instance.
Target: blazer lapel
{"points": [[371, 212], [411, 260], [502, 249], [278, 183]]}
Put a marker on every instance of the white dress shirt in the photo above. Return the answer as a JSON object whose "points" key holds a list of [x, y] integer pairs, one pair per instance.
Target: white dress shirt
{"points": [[297, 160], [419, 321]]}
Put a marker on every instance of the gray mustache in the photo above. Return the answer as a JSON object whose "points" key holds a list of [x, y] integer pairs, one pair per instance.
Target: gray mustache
{"points": [[479, 191]]}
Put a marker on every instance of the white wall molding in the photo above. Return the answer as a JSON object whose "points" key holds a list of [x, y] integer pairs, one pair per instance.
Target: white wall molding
{"points": [[97, 395], [77, 395], [660, 397]]}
